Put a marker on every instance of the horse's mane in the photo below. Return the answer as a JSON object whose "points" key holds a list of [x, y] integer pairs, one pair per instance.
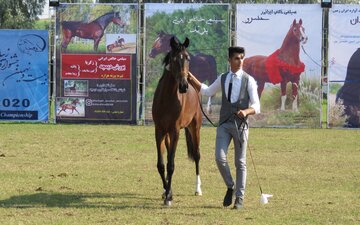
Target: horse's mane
{"points": [[102, 16], [166, 60]]}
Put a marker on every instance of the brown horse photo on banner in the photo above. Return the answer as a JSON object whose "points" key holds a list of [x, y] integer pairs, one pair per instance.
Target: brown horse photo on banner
{"points": [[93, 30]]}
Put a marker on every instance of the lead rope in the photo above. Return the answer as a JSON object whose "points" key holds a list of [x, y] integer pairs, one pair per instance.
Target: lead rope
{"points": [[202, 110], [244, 124]]}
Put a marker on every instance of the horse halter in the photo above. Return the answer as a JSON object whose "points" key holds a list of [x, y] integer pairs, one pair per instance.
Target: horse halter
{"points": [[299, 31], [117, 19], [178, 63]]}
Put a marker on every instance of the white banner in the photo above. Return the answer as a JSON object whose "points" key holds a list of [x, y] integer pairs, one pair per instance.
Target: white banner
{"points": [[283, 54], [344, 66]]}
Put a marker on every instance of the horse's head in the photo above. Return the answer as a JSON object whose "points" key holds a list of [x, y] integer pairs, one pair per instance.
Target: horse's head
{"points": [[75, 101], [161, 44], [298, 31], [177, 61], [117, 19]]}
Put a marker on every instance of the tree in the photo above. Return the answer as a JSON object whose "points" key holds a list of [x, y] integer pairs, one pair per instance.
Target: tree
{"points": [[20, 14]]}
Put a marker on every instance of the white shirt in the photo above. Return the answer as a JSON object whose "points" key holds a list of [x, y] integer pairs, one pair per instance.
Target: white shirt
{"points": [[235, 91]]}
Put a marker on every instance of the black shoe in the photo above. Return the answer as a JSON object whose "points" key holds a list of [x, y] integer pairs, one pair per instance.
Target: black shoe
{"points": [[228, 197], [238, 203]]}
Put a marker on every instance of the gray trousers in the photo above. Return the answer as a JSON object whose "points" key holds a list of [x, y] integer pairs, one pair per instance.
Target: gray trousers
{"points": [[224, 133]]}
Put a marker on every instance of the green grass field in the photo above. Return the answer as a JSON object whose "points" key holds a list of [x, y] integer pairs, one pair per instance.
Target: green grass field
{"points": [[106, 174]]}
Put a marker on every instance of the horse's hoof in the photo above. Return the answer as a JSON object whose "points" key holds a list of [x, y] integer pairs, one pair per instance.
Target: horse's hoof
{"points": [[198, 193], [167, 203]]}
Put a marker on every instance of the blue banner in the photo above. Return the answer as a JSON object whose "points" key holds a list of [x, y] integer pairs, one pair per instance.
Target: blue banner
{"points": [[24, 75]]}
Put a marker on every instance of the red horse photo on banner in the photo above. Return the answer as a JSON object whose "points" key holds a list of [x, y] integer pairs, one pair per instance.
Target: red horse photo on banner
{"points": [[282, 66]]}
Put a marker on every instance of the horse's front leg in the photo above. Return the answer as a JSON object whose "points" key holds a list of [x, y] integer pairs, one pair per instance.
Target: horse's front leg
{"points": [[295, 86], [260, 89], [283, 95], [96, 44], [174, 138], [160, 145], [76, 110]]}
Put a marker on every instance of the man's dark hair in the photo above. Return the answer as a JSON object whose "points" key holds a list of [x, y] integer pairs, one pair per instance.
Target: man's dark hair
{"points": [[233, 50]]}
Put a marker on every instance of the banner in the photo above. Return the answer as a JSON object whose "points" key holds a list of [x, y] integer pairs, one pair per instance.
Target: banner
{"points": [[207, 27], [283, 54], [24, 75], [344, 66], [96, 80]]}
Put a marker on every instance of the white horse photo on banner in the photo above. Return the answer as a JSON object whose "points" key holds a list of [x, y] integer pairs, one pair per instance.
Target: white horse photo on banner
{"points": [[283, 54], [344, 67]]}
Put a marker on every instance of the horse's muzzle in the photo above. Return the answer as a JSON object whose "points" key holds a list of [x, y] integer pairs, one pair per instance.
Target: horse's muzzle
{"points": [[183, 88]]}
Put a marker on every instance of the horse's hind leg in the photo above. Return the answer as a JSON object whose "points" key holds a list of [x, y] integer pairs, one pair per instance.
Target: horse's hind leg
{"points": [[67, 35], [295, 96], [193, 141]]}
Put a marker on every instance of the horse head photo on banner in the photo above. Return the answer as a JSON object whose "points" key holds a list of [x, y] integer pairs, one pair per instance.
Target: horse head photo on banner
{"points": [[282, 66], [93, 30]]}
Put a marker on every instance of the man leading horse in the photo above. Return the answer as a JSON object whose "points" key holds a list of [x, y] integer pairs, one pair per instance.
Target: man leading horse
{"points": [[239, 100]]}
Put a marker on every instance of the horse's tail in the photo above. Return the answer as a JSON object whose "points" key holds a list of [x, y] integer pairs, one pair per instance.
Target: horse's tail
{"points": [[190, 145]]}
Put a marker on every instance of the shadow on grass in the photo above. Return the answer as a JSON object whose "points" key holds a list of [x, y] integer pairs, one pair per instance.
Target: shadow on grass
{"points": [[80, 200]]}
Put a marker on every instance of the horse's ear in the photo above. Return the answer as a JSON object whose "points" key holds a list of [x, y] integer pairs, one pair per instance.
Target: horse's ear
{"points": [[300, 21], [160, 33], [174, 43], [186, 42], [294, 22]]}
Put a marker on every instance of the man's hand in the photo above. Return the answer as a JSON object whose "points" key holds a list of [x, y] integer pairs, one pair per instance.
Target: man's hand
{"points": [[195, 82], [242, 113]]}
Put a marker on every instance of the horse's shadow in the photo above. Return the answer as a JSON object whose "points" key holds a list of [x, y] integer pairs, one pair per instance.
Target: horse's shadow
{"points": [[79, 200]]}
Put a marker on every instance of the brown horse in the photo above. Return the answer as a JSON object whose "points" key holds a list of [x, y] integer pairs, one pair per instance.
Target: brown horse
{"points": [[72, 106], [282, 66], [202, 65], [176, 106], [73, 88], [93, 30], [120, 43]]}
